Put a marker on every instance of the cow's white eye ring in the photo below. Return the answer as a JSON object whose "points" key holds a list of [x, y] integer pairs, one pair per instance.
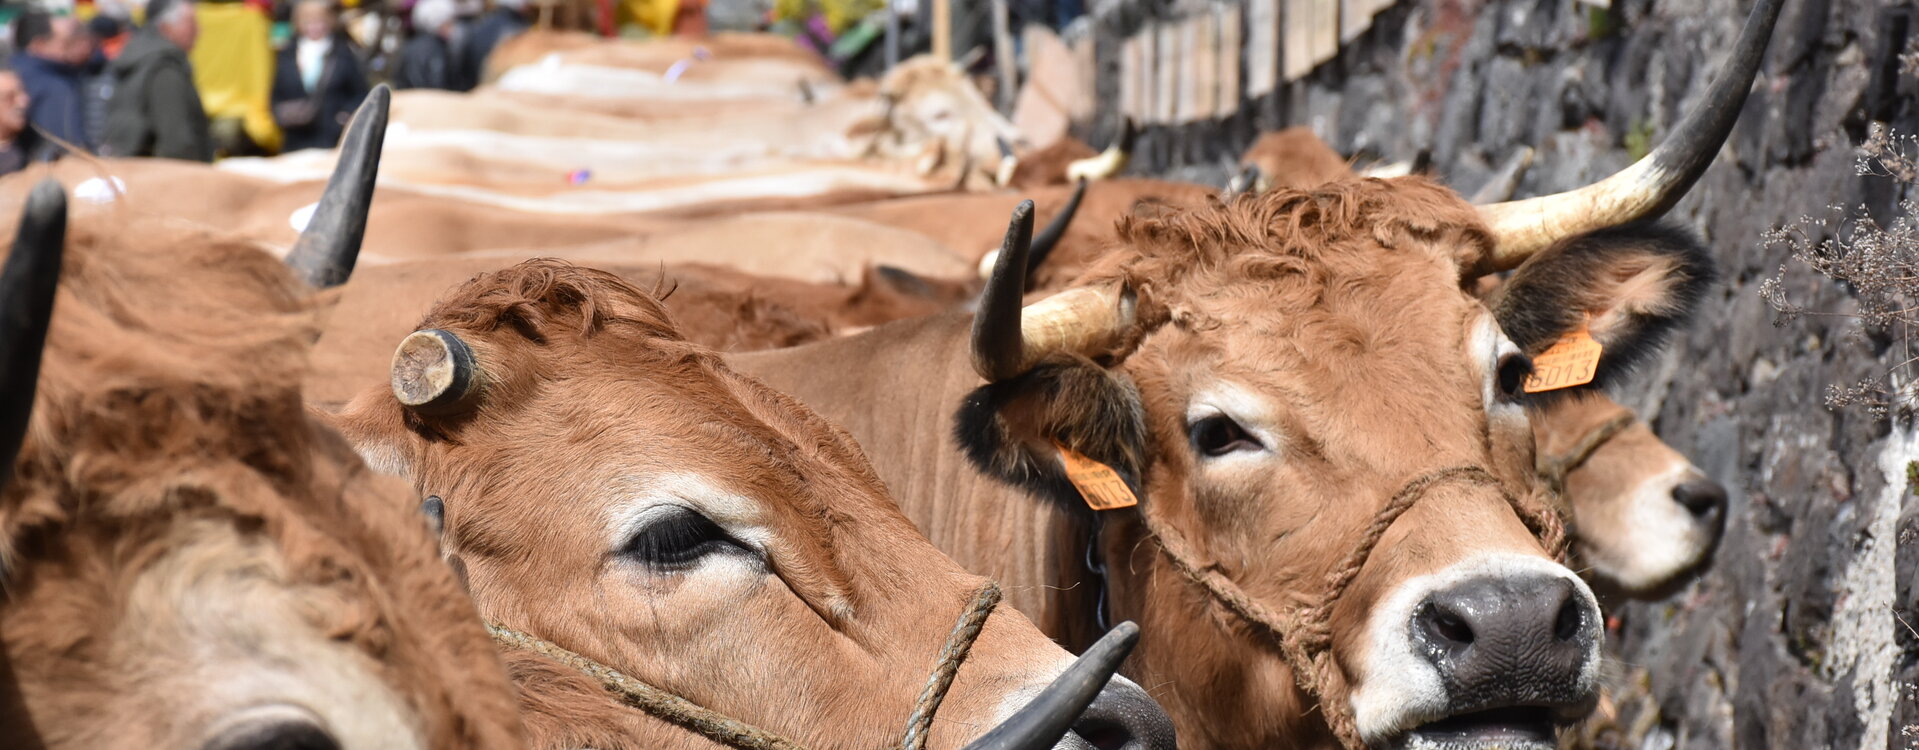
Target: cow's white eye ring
{"points": [[1218, 435]]}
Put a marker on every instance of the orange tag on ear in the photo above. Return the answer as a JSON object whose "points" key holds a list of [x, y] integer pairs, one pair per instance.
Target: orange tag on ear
{"points": [[1572, 360], [1097, 482]]}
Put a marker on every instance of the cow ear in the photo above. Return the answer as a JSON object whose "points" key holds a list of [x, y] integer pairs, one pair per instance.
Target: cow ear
{"points": [[1630, 285], [1012, 430]]}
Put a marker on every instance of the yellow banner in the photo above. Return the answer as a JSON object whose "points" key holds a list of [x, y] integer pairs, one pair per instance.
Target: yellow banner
{"points": [[233, 68]]}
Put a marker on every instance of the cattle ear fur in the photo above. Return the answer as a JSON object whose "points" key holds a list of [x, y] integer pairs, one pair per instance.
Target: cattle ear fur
{"points": [[1634, 284], [1009, 429]]}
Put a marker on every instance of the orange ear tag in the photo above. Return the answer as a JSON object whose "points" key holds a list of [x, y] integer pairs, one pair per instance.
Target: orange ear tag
{"points": [[1572, 360], [1097, 482]]}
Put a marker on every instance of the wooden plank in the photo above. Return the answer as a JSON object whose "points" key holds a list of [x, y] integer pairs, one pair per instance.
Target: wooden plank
{"points": [[1148, 74], [1209, 65], [1325, 31], [1129, 77], [1353, 19], [1262, 47], [1227, 62], [1199, 68], [1166, 101], [1296, 39]]}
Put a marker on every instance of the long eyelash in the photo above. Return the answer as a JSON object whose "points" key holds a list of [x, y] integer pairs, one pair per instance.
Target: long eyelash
{"points": [[677, 541]]}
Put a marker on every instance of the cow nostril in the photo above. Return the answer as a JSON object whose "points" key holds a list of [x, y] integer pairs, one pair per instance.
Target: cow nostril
{"points": [[1450, 627], [1571, 620], [1102, 734], [1701, 496]]}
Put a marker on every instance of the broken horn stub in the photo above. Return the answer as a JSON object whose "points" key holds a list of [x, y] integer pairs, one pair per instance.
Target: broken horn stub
{"points": [[434, 372]]}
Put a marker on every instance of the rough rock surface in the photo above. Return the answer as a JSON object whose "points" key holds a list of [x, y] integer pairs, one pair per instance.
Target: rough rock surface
{"points": [[1802, 634]]}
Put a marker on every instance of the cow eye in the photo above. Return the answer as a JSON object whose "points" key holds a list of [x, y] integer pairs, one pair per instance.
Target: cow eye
{"points": [[676, 542], [1219, 435], [1514, 368]]}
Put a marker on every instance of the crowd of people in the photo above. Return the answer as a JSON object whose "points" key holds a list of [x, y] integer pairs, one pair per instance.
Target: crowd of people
{"points": [[108, 87]]}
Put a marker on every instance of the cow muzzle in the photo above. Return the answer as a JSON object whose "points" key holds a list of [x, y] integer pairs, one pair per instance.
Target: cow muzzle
{"points": [[1498, 651], [1122, 717]]}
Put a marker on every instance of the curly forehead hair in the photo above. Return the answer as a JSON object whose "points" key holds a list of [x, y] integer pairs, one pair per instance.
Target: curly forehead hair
{"points": [[1285, 231], [544, 297]]}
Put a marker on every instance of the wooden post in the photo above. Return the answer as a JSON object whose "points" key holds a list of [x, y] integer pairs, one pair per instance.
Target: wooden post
{"points": [[1003, 58], [943, 29]]}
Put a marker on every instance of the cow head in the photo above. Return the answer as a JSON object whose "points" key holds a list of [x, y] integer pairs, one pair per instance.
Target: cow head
{"points": [[612, 488], [1329, 438], [1644, 517], [934, 116], [188, 560]]}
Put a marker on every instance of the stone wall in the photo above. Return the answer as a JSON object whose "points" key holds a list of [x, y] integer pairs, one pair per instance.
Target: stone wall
{"points": [[1797, 637]]}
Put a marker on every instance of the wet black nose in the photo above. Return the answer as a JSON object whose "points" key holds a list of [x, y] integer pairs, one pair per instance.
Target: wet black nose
{"points": [[274, 734], [1123, 716], [1510, 640], [1701, 496]]}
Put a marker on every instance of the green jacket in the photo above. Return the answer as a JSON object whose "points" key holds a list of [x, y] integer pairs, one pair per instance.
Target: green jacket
{"points": [[155, 110]]}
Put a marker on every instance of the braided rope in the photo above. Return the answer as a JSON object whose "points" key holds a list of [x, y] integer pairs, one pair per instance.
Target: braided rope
{"points": [[659, 703], [1555, 469], [1304, 632], [732, 732], [958, 644]]}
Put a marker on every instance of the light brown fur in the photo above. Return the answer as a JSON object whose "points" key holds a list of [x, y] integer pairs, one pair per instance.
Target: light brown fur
{"points": [[181, 541], [1341, 308], [592, 400]]}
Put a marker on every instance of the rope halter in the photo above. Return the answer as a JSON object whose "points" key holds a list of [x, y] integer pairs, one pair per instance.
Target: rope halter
{"points": [[1555, 469], [1303, 630], [731, 732]]}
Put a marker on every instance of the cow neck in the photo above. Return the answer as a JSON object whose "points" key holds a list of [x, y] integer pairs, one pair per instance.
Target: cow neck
{"points": [[1303, 631], [731, 732], [1555, 469]]}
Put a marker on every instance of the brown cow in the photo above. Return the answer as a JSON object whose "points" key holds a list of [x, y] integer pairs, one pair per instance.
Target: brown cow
{"points": [[1339, 537], [1644, 518], [190, 561], [610, 487]]}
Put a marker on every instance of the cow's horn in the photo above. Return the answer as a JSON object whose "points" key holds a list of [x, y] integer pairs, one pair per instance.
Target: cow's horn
{"points": [[1245, 181], [1049, 237], [1650, 186], [434, 372], [326, 251], [1110, 161], [1008, 339], [27, 286], [1040, 724], [1008, 162]]}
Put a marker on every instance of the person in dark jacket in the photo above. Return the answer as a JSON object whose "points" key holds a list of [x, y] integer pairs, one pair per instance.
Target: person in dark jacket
{"points": [[16, 141], [155, 109], [51, 63], [317, 83], [426, 62], [505, 21], [109, 36]]}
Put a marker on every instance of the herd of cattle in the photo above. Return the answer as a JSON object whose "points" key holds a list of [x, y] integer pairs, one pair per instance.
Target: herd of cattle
{"points": [[686, 396]]}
